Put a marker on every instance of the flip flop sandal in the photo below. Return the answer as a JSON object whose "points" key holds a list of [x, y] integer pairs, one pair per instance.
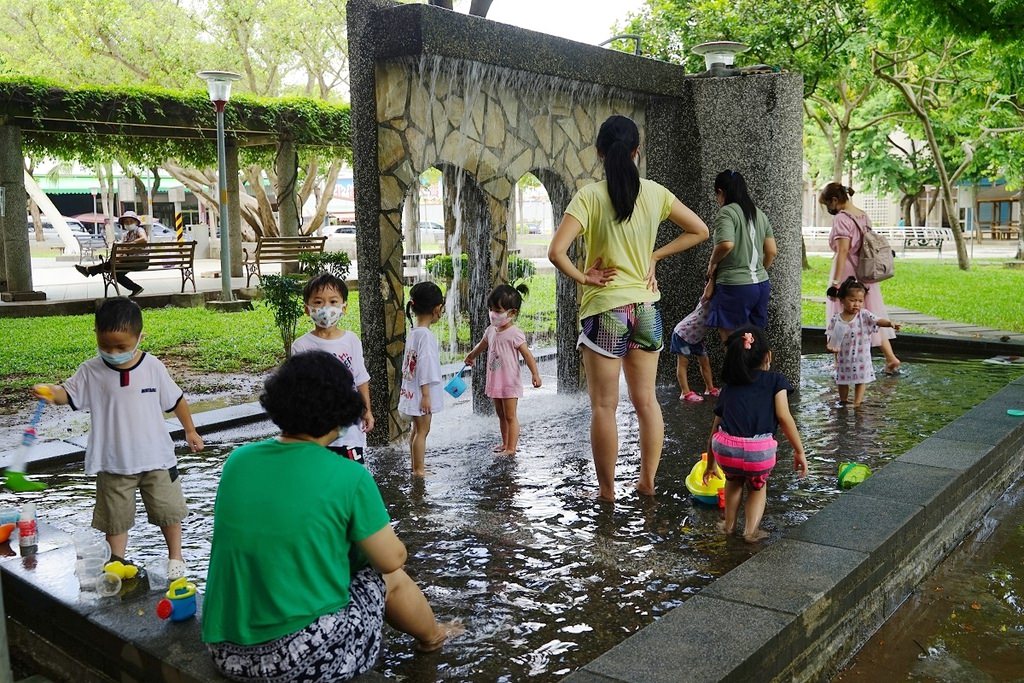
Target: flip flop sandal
{"points": [[1015, 412]]}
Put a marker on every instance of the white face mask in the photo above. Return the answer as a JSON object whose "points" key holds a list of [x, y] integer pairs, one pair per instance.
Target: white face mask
{"points": [[326, 316], [499, 319], [118, 358]]}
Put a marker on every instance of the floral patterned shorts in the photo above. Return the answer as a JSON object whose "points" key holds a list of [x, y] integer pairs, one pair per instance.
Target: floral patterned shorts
{"points": [[336, 647]]}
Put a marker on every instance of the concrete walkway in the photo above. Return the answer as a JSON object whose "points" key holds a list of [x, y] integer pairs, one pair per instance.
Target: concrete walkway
{"points": [[59, 280]]}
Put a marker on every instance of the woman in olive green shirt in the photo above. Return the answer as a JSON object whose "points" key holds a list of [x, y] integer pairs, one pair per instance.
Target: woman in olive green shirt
{"points": [[744, 248]]}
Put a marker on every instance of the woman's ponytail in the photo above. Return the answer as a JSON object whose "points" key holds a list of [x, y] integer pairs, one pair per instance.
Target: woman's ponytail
{"points": [[616, 141]]}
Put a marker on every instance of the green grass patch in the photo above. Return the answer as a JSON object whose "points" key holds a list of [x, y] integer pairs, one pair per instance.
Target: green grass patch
{"points": [[49, 349], [989, 294]]}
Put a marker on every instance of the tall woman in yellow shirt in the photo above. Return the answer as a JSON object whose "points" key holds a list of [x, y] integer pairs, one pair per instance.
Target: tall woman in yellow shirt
{"points": [[621, 327]]}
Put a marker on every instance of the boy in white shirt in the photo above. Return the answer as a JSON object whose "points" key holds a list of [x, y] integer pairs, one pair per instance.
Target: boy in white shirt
{"points": [[326, 298], [127, 392]]}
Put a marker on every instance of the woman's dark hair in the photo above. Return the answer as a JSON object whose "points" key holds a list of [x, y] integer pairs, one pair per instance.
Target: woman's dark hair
{"points": [[836, 191], [324, 281], [507, 297], [119, 314], [311, 393], [734, 189], [616, 142], [423, 298], [742, 364]]}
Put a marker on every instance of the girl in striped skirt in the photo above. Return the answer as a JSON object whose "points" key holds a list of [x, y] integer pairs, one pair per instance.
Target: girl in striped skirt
{"points": [[751, 406]]}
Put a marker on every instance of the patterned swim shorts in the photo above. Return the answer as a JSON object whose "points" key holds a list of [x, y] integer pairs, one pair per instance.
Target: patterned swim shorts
{"points": [[335, 647], [613, 333], [745, 459]]}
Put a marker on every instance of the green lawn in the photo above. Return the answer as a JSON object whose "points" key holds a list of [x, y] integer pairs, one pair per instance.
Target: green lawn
{"points": [[989, 294], [49, 349]]}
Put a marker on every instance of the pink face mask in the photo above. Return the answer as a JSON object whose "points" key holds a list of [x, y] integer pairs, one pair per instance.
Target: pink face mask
{"points": [[499, 319]]}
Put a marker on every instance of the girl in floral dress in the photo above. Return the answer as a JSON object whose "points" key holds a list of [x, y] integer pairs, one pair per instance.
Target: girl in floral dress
{"points": [[849, 337]]}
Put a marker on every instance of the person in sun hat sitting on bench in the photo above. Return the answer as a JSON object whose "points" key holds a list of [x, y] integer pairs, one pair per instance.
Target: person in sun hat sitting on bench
{"points": [[134, 233]]}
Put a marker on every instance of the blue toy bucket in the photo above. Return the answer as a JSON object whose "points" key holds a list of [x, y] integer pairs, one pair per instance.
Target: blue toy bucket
{"points": [[456, 385]]}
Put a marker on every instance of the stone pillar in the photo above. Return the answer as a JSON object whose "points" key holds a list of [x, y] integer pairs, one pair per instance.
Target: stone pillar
{"points": [[483, 225], [234, 207], [288, 211], [15, 251], [381, 296], [567, 292], [751, 124]]}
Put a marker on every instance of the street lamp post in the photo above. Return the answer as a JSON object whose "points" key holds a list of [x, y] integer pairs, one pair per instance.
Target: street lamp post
{"points": [[218, 84]]}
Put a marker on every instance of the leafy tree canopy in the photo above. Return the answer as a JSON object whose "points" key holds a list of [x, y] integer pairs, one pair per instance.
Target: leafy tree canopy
{"points": [[998, 19], [812, 37]]}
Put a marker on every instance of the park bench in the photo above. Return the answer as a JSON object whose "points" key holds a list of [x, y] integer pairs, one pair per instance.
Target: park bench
{"points": [[279, 250], [907, 238], [1000, 232], [89, 245], [918, 238], [133, 257]]}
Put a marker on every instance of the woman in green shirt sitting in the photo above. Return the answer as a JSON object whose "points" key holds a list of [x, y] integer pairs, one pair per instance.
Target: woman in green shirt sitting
{"points": [[304, 564]]}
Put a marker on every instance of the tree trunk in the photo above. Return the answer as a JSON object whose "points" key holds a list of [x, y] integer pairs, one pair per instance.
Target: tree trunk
{"points": [[905, 204], [449, 196], [914, 100], [141, 195], [1020, 228], [840, 154], [105, 174], [325, 197], [37, 220], [264, 208]]}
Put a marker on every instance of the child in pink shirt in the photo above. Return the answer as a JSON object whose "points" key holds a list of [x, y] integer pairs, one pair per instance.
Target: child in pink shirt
{"points": [[504, 343]]}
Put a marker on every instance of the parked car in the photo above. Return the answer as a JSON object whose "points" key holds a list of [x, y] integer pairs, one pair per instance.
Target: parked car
{"points": [[157, 232], [50, 232], [343, 229], [431, 228]]}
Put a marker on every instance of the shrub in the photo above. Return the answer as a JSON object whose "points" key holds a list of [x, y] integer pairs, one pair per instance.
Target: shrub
{"points": [[282, 294], [519, 269], [336, 263]]}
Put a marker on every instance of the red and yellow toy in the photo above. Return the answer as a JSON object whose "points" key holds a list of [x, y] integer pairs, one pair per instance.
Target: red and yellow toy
{"points": [[180, 603]]}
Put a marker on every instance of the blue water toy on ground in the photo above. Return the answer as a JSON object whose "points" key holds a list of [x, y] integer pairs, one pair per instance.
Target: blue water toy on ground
{"points": [[180, 601]]}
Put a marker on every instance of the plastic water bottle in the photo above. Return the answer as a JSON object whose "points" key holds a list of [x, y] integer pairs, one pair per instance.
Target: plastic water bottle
{"points": [[28, 532]]}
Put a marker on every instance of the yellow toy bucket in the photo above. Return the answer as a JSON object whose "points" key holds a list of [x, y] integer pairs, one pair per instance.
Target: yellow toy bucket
{"points": [[712, 494]]}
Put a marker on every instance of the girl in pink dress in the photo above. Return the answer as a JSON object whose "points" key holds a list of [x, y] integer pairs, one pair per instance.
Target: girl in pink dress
{"points": [[505, 343], [848, 226], [848, 335]]}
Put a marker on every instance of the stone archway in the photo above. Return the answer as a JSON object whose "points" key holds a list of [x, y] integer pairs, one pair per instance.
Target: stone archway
{"points": [[424, 89]]}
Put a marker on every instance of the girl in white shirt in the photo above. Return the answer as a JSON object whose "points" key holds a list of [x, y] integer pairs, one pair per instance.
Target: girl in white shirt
{"points": [[421, 368]]}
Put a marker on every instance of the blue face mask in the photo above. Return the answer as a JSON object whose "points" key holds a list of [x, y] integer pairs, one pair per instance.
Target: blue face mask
{"points": [[117, 358]]}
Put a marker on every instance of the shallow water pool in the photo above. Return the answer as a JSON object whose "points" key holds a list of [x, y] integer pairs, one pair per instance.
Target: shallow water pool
{"points": [[544, 577]]}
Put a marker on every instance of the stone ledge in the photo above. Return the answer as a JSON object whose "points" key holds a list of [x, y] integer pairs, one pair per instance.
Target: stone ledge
{"points": [[120, 637], [808, 602], [686, 645]]}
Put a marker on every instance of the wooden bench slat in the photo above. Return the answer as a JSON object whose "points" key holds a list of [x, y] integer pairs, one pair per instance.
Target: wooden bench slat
{"points": [[133, 258], [280, 250]]}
